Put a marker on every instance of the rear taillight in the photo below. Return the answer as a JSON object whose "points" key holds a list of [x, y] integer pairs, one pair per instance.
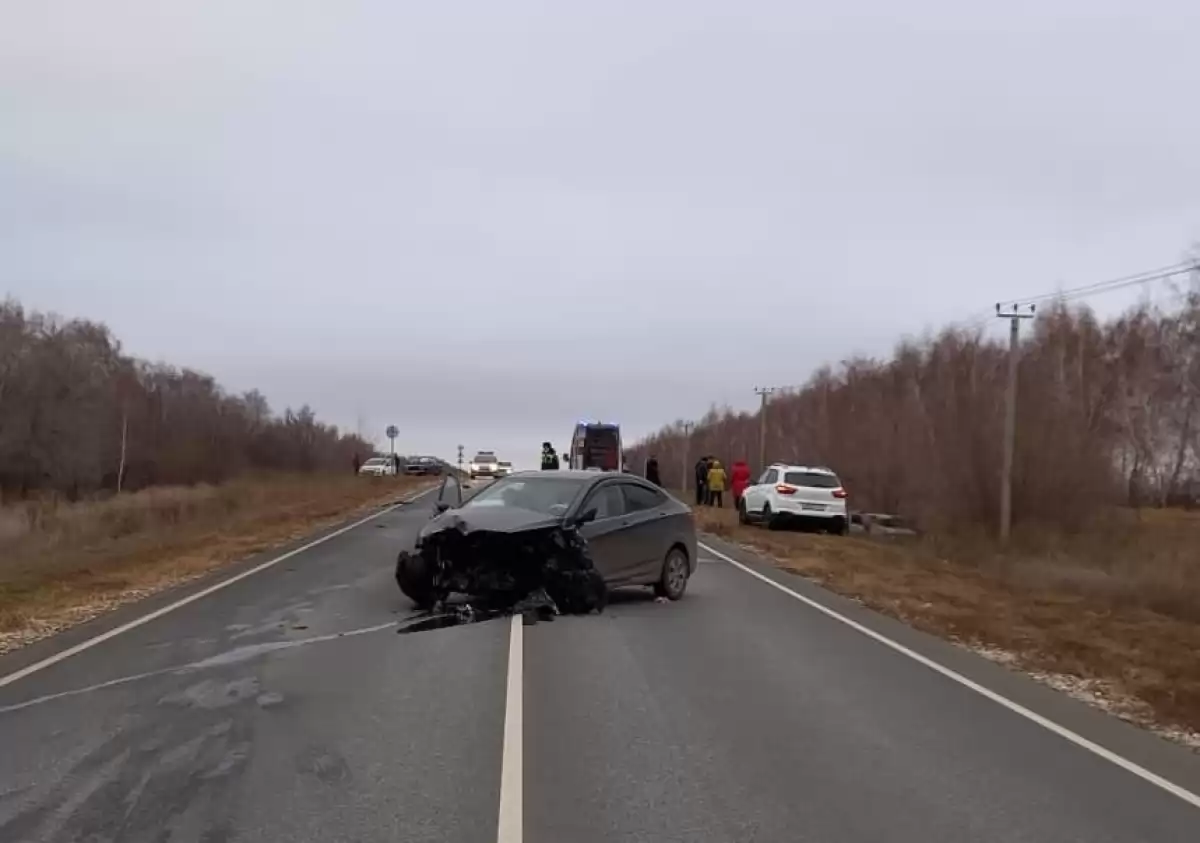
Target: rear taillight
{"points": [[839, 493], [785, 489]]}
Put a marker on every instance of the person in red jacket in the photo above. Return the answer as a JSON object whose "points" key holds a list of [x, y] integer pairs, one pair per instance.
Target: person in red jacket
{"points": [[739, 480]]}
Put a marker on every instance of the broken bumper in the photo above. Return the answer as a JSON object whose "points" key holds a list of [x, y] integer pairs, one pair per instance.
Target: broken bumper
{"points": [[539, 570]]}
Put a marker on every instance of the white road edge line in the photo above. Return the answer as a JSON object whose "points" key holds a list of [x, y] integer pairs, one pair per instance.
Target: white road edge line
{"points": [[87, 644], [510, 827], [1046, 723]]}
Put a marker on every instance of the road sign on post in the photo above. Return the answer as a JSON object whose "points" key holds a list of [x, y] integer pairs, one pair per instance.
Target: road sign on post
{"points": [[392, 433]]}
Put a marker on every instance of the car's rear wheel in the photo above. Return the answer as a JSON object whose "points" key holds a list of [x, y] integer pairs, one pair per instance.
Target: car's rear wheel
{"points": [[840, 527], [673, 582]]}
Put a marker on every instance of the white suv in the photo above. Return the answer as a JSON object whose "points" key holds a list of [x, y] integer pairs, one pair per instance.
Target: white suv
{"points": [[796, 492]]}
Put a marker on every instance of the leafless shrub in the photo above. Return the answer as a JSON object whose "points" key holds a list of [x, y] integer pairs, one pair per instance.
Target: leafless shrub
{"points": [[78, 417], [1107, 413]]}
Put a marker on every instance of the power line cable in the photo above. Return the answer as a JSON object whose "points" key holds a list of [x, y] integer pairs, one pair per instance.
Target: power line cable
{"points": [[980, 319], [1074, 293]]}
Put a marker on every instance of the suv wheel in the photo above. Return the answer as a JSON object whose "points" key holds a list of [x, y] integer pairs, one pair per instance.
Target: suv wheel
{"points": [[743, 518], [840, 527], [767, 518]]}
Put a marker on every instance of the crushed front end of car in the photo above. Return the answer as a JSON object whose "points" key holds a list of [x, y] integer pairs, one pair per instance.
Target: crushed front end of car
{"points": [[504, 563]]}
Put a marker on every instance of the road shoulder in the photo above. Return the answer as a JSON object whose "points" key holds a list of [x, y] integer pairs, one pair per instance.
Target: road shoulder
{"points": [[1175, 763], [47, 648]]}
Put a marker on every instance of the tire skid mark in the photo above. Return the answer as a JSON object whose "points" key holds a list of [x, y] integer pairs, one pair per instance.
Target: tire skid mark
{"points": [[230, 657]]}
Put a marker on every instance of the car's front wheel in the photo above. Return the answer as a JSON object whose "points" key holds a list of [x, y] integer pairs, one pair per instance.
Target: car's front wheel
{"points": [[743, 517], [415, 579], [673, 582]]}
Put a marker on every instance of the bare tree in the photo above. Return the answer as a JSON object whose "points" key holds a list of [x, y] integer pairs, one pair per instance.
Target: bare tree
{"points": [[1106, 412], [77, 416]]}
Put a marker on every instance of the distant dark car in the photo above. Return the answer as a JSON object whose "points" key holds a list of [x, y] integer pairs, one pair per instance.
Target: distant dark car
{"points": [[423, 466], [636, 534]]}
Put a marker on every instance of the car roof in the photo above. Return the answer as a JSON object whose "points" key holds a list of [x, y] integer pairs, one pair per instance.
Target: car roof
{"points": [[811, 469], [579, 474]]}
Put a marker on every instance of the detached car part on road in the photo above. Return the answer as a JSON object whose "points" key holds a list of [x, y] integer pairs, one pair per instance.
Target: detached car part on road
{"points": [[552, 542]]}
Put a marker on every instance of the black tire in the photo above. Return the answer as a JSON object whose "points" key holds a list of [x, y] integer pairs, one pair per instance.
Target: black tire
{"points": [[840, 527], [767, 519], [415, 579], [743, 517], [673, 582]]}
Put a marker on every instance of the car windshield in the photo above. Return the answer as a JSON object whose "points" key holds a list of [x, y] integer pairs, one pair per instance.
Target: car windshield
{"points": [[812, 479], [485, 457], [376, 461], [546, 495]]}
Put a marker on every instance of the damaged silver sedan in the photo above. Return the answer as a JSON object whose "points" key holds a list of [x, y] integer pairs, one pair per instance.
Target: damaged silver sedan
{"points": [[550, 542]]}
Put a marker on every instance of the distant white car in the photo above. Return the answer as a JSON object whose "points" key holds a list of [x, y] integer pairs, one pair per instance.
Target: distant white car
{"points": [[379, 467], [484, 464], [801, 493], [503, 468]]}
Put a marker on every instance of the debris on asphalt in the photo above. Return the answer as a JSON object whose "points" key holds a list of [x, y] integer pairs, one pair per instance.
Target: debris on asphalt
{"points": [[505, 565]]}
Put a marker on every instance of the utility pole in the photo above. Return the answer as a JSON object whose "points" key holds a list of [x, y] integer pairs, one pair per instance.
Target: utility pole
{"points": [[688, 427], [1014, 312], [763, 392], [460, 453]]}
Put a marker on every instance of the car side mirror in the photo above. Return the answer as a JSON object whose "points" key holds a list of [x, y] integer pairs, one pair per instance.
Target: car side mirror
{"points": [[440, 507], [585, 517]]}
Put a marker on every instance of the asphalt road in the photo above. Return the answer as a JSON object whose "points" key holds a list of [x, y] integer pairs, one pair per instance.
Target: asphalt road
{"points": [[285, 708]]}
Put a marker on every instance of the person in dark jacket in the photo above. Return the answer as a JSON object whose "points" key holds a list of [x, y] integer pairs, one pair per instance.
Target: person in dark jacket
{"points": [[652, 470], [357, 462], [701, 481], [549, 457]]}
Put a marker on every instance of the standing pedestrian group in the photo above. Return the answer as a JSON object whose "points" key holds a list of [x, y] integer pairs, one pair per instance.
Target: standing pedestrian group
{"points": [[712, 480]]}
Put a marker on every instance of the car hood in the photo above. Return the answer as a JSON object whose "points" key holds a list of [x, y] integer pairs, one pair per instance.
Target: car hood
{"points": [[495, 519]]}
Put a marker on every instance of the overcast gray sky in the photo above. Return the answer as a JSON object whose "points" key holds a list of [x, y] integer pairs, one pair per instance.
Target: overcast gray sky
{"points": [[483, 220]]}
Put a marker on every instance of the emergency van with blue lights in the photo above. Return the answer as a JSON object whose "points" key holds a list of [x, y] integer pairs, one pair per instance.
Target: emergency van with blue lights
{"points": [[596, 446]]}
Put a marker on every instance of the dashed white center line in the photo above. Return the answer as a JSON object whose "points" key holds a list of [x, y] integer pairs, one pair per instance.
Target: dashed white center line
{"points": [[512, 770]]}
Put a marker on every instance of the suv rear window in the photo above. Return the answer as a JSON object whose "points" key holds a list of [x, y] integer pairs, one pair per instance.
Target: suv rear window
{"points": [[812, 479]]}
